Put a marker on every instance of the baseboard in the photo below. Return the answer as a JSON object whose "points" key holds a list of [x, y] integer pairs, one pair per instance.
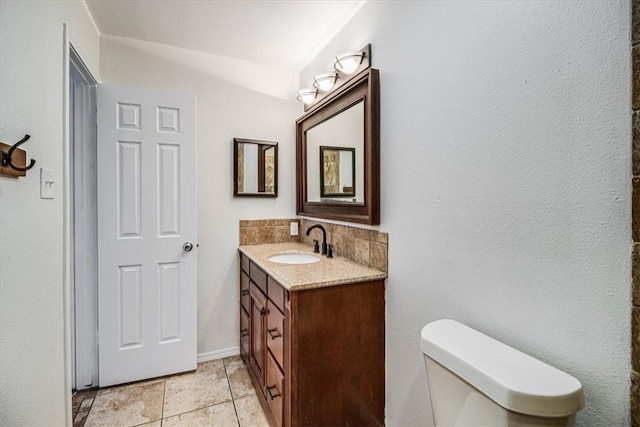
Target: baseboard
{"points": [[218, 354]]}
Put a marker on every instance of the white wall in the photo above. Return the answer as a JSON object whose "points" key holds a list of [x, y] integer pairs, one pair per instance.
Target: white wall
{"points": [[505, 151], [32, 306], [224, 111]]}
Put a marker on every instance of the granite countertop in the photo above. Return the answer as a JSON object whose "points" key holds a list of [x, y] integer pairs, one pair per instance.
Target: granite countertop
{"points": [[295, 277]]}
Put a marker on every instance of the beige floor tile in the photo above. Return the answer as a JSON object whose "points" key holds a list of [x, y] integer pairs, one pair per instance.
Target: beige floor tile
{"points": [[76, 400], [223, 414], [127, 406], [239, 381], [185, 393], [86, 405], [128, 387], [210, 365], [233, 360], [250, 412], [79, 419], [152, 424]]}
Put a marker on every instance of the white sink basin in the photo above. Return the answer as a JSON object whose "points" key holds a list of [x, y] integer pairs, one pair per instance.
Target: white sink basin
{"points": [[294, 258]]}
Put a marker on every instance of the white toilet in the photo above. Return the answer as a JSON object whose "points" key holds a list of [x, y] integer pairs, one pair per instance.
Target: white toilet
{"points": [[476, 380]]}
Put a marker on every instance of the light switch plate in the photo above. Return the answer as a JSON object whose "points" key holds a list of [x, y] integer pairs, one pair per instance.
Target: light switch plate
{"points": [[294, 228], [47, 183]]}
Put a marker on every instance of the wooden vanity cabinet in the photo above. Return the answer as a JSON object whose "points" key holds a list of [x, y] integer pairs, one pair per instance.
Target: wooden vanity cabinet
{"points": [[316, 356]]}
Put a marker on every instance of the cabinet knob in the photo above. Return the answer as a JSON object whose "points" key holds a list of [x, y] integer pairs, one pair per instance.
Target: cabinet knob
{"points": [[271, 395], [245, 292], [274, 333], [244, 332], [262, 311]]}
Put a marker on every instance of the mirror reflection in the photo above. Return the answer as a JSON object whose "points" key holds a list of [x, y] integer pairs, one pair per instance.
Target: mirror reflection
{"points": [[338, 171], [335, 158], [255, 168]]}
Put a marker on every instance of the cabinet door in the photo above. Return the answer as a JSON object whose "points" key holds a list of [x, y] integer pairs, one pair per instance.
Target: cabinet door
{"points": [[258, 330], [244, 290], [244, 335], [275, 332], [274, 387]]}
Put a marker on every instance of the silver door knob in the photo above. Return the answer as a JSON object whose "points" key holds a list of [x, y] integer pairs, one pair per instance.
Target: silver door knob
{"points": [[187, 246]]}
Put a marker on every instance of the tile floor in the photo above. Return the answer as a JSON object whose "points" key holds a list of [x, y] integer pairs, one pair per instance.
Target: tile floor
{"points": [[217, 393]]}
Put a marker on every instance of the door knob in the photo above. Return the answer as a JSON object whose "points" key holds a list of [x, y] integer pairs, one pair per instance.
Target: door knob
{"points": [[187, 246]]}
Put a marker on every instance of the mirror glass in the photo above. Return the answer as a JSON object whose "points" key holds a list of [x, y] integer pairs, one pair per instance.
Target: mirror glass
{"points": [[338, 172], [255, 168], [335, 156], [338, 154]]}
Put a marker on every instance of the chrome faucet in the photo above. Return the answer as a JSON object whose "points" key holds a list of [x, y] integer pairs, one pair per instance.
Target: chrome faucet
{"points": [[324, 236]]}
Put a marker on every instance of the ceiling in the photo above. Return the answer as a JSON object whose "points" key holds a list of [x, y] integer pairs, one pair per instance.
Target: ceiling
{"points": [[283, 34]]}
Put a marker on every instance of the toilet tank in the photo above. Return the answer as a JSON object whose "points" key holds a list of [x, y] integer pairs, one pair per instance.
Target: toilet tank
{"points": [[477, 380]]}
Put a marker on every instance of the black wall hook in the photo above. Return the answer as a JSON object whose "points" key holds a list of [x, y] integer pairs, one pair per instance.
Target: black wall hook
{"points": [[7, 160]]}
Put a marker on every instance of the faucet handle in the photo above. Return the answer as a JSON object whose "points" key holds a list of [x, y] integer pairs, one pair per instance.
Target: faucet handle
{"points": [[329, 251], [316, 246]]}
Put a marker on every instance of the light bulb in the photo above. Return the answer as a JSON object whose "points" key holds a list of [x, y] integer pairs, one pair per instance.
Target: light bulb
{"points": [[324, 82], [347, 63], [307, 95]]}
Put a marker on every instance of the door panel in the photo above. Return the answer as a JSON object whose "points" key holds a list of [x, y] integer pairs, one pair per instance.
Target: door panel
{"points": [[147, 211], [258, 331], [130, 306], [169, 190], [128, 187]]}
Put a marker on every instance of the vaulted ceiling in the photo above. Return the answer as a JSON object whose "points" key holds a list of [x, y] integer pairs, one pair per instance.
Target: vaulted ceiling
{"points": [[284, 34]]}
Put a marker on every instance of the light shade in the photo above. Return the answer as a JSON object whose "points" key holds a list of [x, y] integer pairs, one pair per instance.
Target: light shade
{"points": [[307, 95], [324, 82], [347, 63]]}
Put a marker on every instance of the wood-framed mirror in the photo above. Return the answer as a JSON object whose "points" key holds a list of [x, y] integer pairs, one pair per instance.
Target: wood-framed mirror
{"points": [[345, 123], [255, 168]]}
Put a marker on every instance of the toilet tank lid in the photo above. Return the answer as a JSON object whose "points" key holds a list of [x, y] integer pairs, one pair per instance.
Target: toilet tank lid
{"points": [[512, 379]]}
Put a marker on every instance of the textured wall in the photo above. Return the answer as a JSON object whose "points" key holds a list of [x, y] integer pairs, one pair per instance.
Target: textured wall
{"points": [[635, 312], [505, 184], [32, 305]]}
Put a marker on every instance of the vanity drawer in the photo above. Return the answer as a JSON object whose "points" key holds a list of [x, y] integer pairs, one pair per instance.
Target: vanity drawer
{"points": [[244, 290], [275, 332], [258, 276], [244, 335], [274, 389], [276, 293], [244, 262]]}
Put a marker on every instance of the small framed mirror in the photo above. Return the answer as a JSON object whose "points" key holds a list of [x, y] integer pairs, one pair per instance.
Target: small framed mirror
{"points": [[337, 172], [255, 168]]}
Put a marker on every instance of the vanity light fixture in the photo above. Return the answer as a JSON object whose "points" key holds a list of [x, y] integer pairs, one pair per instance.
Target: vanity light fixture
{"points": [[348, 62], [324, 82], [347, 66], [307, 95]]}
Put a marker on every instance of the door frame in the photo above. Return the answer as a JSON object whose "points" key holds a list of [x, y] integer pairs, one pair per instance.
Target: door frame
{"points": [[84, 224], [68, 46]]}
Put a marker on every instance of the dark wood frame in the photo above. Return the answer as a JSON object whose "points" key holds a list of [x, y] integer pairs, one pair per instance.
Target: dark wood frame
{"points": [[353, 171], [363, 87], [262, 147]]}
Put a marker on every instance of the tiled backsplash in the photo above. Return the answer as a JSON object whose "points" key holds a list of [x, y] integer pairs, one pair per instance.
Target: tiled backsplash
{"points": [[367, 247], [259, 231]]}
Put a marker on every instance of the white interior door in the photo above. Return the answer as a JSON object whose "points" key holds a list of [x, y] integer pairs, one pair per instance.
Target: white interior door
{"points": [[146, 218]]}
